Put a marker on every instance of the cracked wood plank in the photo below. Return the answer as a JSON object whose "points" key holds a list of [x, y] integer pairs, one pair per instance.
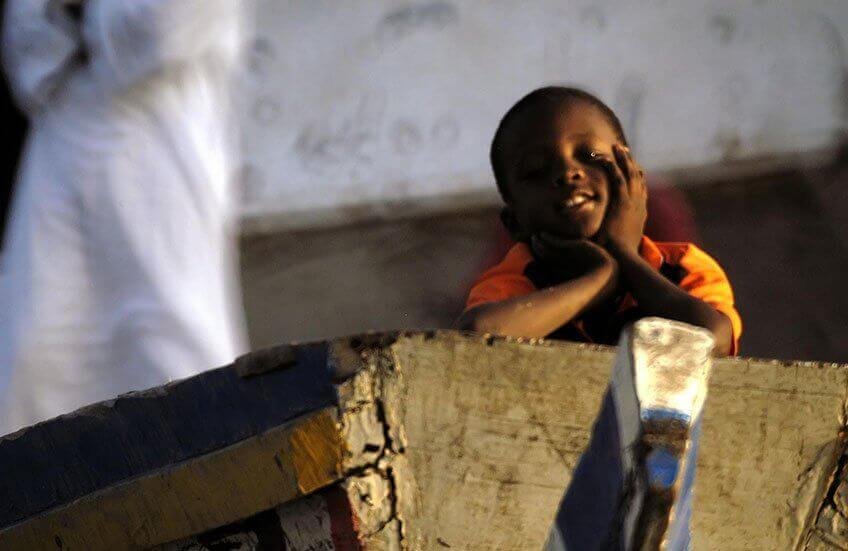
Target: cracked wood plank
{"points": [[348, 442], [827, 526], [228, 483], [494, 428], [361, 511], [445, 433]]}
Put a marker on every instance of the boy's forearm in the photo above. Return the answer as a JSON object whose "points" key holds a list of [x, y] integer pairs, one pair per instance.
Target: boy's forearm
{"points": [[542, 312], [659, 297]]}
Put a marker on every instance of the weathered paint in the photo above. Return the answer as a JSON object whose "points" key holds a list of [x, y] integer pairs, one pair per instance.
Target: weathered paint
{"points": [[52, 463], [186, 498], [322, 521], [443, 431], [316, 450], [499, 425], [633, 486]]}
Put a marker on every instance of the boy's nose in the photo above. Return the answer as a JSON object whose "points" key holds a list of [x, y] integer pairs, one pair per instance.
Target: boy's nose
{"points": [[574, 175]]}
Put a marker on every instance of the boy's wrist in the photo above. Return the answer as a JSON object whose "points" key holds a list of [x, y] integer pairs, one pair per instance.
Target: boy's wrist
{"points": [[619, 250], [607, 278]]}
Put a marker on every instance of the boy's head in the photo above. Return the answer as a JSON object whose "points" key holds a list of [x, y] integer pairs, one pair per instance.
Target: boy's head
{"points": [[547, 158]]}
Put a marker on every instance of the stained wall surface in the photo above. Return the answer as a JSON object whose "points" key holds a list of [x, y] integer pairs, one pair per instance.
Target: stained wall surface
{"points": [[359, 108]]}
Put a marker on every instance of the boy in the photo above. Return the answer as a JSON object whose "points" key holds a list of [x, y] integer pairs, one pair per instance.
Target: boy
{"points": [[581, 268]]}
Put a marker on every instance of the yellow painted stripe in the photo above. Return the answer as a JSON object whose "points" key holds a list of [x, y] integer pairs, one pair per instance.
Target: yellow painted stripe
{"points": [[206, 492]]}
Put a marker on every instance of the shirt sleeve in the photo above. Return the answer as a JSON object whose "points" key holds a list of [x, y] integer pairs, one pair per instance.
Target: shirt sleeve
{"points": [[498, 287], [706, 280], [130, 40], [504, 281]]}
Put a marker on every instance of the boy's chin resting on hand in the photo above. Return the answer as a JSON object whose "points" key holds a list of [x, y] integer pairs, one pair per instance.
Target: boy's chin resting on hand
{"points": [[569, 257]]}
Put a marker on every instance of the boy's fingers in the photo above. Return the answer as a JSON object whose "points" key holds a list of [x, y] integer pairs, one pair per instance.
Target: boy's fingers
{"points": [[642, 180], [623, 162], [618, 183], [635, 174], [639, 178]]}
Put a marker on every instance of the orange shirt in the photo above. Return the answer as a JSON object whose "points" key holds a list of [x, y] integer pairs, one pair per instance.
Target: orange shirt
{"points": [[686, 265]]}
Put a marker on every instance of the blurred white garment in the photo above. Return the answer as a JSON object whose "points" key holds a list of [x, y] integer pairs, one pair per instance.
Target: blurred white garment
{"points": [[119, 267]]}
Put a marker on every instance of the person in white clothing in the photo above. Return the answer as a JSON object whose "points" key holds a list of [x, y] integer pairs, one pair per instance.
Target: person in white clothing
{"points": [[119, 266]]}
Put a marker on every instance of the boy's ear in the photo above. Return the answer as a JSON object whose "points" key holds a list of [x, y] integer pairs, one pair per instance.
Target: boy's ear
{"points": [[510, 222]]}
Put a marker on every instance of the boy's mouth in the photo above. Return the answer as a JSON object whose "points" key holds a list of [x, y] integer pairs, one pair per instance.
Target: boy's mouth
{"points": [[578, 200]]}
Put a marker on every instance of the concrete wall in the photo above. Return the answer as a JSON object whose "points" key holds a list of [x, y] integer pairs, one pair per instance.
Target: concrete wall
{"points": [[362, 108]]}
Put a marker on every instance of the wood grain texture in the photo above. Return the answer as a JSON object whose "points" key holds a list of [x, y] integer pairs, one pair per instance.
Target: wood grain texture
{"points": [[493, 431], [435, 435], [771, 441], [63, 459], [193, 496], [317, 450], [498, 427], [344, 441]]}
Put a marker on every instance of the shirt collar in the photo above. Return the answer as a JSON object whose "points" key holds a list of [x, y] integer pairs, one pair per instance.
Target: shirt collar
{"points": [[651, 253]]}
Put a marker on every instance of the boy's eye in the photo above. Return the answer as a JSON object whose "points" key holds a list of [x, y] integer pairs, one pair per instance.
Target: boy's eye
{"points": [[591, 155]]}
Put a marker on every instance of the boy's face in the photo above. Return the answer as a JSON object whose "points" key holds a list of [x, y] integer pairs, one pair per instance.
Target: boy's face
{"points": [[555, 181]]}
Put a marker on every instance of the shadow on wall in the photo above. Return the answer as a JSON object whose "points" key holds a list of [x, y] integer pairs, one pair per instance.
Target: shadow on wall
{"points": [[781, 238]]}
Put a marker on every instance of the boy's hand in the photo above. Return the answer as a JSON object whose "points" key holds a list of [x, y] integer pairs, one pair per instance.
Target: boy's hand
{"points": [[570, 258], [627, 211]]}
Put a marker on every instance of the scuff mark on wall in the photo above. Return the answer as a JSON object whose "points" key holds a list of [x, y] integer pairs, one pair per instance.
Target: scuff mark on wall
{"points": [[723, 27], [594, 16], [406, 136], [325, 145], [406, 19], [732, 95], [261, 57]]}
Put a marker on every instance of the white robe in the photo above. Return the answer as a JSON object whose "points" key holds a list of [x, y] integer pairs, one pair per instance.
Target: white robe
{"points": [[119, 267]]}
